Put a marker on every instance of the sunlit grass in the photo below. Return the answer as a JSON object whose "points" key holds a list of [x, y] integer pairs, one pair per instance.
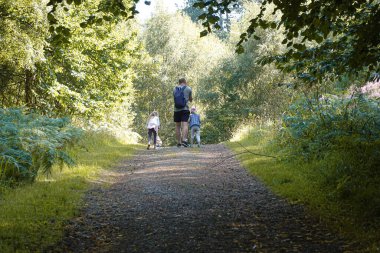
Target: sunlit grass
{"points": [[302, 183], [32, 216]]}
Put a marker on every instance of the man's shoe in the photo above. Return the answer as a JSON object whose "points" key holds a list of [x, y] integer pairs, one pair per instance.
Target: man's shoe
{"points": [[148, 147], [185, 144], [179, 145]]}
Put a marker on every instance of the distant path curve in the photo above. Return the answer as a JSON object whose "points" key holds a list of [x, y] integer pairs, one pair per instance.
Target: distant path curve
{"points": [[176, 200]]}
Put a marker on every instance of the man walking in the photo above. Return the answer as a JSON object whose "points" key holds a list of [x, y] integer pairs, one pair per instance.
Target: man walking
{"points": [[182, 96]]}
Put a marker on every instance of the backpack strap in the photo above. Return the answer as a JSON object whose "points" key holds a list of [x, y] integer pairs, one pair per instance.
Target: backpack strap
{"points": [[181, 88]]}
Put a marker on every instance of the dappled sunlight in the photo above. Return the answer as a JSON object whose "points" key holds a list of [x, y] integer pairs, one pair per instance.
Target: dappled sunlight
{"points": [[158, 169], [241, 132], [175, 164], [107, 177], [181, 164], [159, 172]]}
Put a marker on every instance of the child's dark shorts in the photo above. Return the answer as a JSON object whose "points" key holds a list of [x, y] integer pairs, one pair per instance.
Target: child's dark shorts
{"points": [[182, 116]]}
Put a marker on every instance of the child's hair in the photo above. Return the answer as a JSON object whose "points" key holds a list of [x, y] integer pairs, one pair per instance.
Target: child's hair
{"points": [[182, 80], [153, 114], [193, 109]]}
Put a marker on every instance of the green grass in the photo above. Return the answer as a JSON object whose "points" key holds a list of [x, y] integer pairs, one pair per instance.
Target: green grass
{"points": [[303, 183], [32, 216]]}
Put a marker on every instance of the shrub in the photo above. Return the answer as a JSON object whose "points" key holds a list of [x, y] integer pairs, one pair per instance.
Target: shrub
{"points": [[342, 136], [30, 143]]}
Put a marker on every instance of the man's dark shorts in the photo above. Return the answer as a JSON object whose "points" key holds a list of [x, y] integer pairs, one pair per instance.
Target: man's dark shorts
{"points": [[181, 116]]}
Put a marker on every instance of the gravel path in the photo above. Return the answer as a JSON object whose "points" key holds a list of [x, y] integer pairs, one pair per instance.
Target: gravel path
{"points": [[177, 200]]}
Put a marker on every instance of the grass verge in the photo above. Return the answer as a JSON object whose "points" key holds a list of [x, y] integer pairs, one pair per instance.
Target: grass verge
{"points": [[303, 183], [32, 216]]}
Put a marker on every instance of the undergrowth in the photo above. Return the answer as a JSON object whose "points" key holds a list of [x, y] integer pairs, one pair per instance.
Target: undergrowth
{"points": [[30, 143], [32, 216]]}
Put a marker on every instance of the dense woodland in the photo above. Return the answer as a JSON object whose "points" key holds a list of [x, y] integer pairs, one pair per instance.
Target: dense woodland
{"points": [[307, 72]]}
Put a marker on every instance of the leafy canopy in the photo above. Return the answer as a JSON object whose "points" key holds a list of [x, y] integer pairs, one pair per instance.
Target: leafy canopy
{"points": [[322, 36], [106, 11]]}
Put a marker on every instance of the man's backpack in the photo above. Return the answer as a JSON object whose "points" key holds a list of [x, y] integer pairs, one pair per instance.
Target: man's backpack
{"points": [[179, 97]]}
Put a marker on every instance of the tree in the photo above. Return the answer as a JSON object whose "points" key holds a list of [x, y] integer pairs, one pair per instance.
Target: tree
{"points": [[93, 73], [239, 89], [224, 19], [322, 36], [82, 71], [105, 11], [23, 29]]}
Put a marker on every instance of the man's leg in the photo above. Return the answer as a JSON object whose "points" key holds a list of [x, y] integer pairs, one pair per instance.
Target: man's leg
{"points": [[185, 127], [178, 132], [185, 130]]}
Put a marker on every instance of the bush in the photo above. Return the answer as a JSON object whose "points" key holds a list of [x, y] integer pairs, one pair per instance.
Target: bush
{"points": [[342, 136], [31, 143]]}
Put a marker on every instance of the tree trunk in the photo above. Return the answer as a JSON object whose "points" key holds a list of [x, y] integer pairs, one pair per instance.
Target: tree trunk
{"points": [[29, 81]]}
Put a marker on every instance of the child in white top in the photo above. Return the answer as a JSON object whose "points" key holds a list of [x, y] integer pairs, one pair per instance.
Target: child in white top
{"points": [[153, 124]]}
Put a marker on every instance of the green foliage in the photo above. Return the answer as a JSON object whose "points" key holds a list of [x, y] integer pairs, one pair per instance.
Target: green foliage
{"points": [[222, 20], [93, 74], [31, 143], [239, 88], [23, 29], [58, 66], [344, 132], [33, 216], [321, 36], [106, 10]]}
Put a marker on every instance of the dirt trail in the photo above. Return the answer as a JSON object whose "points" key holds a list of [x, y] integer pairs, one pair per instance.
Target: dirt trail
{"points": [[176, 200]]}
